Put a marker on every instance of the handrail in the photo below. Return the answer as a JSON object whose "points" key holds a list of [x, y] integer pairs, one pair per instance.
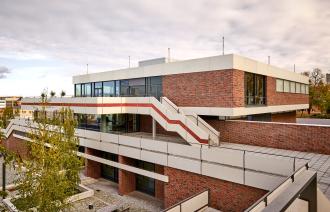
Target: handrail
{"points": [[205, 124], [264, 198], [198, 119], [170, 103], [189, 198]]}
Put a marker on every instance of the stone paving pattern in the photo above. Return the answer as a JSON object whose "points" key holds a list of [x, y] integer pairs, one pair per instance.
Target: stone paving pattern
{"points": [[106, 194]]}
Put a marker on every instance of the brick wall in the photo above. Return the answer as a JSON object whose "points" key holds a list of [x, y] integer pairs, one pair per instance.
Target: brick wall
{"points": [[224, 88], [280, 98], [92, 168], [288, 117], [159, 185], [16, 145], [126, 180], [224, 195], [296, 137]]}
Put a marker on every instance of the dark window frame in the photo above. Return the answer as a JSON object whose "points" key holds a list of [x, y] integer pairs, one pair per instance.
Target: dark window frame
{"points": [[255, 99]]}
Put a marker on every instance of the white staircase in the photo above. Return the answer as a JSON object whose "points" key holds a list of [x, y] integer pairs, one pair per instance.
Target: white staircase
{"points": [[213, 134], [194, 131]]}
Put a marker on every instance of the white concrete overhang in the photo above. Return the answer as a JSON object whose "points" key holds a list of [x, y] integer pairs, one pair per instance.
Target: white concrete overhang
{"points": [[243, 111], [222, 62]]}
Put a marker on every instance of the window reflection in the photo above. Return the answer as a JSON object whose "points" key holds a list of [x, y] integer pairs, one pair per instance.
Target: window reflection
{"points": [[254, 89], [149, 86]]}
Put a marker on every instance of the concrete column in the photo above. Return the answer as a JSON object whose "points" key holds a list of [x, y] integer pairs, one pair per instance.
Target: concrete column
{"points": [[92, 168], [127, 180], [153, 128]]}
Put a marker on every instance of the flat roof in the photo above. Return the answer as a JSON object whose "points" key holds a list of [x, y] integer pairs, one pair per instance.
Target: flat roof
{"points": [[221, 62]]}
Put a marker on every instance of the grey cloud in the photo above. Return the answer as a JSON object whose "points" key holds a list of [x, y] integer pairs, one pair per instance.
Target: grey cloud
{"points": [[3, 72]]}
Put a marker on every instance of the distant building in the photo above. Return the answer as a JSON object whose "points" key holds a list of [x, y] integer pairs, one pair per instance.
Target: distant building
{"points": [[14, 102], [327, 78]]}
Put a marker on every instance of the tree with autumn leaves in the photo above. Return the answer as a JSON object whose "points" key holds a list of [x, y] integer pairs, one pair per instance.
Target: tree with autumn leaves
{"points": [[51, 173]]}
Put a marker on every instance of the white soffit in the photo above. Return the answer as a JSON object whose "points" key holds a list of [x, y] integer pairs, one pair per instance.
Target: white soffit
{"points": [[242, 111], [221, 62]]}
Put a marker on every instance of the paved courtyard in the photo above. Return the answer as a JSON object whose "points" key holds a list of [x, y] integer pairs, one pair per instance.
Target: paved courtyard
{"points": [[317, 162], [106, 196]]}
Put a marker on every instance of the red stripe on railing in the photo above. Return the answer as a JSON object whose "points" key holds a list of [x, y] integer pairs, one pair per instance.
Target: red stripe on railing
{"points": [[178, 122]]}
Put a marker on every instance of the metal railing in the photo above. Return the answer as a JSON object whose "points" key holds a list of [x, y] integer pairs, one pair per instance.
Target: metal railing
{"points": [[265, 200], [195, 116]]}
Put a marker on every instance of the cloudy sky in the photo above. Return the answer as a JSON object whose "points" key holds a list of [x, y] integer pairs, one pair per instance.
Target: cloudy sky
{"points": [[43, 43]]}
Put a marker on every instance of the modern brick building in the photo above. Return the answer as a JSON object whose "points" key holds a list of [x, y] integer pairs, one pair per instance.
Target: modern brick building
{"points": [[158, 128]]}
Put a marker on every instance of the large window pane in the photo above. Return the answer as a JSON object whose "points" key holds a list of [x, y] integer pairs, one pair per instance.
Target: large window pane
{"points": [[109, 88], [86, 90], [298, 88], [249, 88], [286, 86], [97, 89], [303, 88], [120, 123], [260, 83], [137, 87], [279, 85], [307, 89], [292, 87], [77, 90], [93, 122], [154, 86], [117, 92], [132, 87], [254, 89]]}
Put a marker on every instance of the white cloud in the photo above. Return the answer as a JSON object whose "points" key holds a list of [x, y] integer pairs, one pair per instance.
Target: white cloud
{"points": [[104, 33]]}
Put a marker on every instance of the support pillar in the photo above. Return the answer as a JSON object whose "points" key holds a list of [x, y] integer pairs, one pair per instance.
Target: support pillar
{"points": [[153, 128], [92, 168], [127, 180]]}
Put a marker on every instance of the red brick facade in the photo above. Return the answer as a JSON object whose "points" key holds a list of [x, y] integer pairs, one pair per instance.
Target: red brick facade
{"points": [[16, 145], [159, 185], [126, 180], [224, 195], [276, 135], [92, 168], [224, 88], [288, 117], [281, 98]]}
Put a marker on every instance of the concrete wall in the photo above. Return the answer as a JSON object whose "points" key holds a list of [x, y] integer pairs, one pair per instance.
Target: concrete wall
{"points": [[298, 137], [224, 195]]}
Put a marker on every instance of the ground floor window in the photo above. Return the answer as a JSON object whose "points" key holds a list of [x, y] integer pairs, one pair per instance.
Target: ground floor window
{"points": [[109, 172], [143, 183]]}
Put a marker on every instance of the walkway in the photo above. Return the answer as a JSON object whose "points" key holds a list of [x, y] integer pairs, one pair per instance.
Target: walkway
{"points": [[317, 162]]}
